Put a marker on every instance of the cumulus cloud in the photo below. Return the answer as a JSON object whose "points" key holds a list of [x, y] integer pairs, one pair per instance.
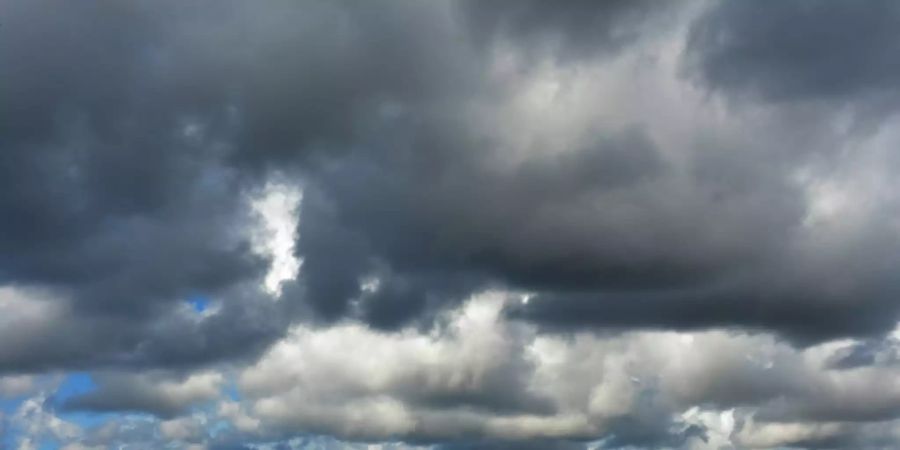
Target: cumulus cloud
{"points": [[482, 377], [32, 421], [459, 223]]}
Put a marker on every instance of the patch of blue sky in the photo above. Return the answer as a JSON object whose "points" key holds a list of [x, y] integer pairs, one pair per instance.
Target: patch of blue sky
{"points": [[49, 445], [10, 405], [232, 391], [74, 384], [86, 419], [9, 438], [198, 303]]}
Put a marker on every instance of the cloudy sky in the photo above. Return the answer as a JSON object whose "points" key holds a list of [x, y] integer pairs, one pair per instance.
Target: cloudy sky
{"points": [[449, 225]]}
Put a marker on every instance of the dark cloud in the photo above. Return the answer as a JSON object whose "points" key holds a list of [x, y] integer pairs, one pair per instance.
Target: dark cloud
{"points": [[104, 193], [799, 49], [578, 29], [610, 235], [630, 433], [136, 132], [245, 325], [445, 149], [750, 303], [532, 225], [113, 193]]}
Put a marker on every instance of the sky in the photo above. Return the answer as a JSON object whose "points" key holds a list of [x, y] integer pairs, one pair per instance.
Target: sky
{"points": [[449, 224]]}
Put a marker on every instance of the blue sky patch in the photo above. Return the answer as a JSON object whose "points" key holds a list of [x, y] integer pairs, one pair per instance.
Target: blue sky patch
{"points": [[75, 384], [199, 303]]}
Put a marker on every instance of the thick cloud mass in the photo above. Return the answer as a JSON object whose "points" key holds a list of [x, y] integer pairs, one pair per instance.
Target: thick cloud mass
{"points": [[459, 224], [800, 49]]}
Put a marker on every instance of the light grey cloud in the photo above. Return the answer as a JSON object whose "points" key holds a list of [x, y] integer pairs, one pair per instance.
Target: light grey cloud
{"points": [[693, 390], [148, 392]]}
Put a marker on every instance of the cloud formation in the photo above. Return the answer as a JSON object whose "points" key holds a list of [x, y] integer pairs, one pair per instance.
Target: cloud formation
{"points": [[457, 224], [649, 389]]}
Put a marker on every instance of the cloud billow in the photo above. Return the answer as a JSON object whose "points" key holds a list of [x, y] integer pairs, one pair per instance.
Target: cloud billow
{"points": [[619, 173]]}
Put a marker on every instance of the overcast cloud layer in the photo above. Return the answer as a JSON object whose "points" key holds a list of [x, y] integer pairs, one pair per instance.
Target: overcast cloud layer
{"points": [[449, 224]]}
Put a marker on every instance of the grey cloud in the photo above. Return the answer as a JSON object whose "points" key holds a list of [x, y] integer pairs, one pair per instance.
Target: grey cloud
{"points": [[799, 49], [126, 171], [162, 396], [444, 149], [137, 130], [533, 226], [613, 235], [873, 352], [500, 445], [113, 197], [46, 335], [715, 240], [750, 304], [580, 28], [633, 390]]}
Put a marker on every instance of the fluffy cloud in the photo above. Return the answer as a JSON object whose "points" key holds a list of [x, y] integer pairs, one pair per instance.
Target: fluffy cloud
{"points": [[33, 421], [460, 223], [480, 376]]}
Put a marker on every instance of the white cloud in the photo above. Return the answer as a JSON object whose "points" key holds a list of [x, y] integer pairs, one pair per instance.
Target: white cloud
{"points": [[32, 422], [469, 378], [277, 208], [188, 428]]}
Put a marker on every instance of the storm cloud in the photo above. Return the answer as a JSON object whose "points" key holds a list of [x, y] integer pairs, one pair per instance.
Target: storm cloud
{"points": [[458, 224]]}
